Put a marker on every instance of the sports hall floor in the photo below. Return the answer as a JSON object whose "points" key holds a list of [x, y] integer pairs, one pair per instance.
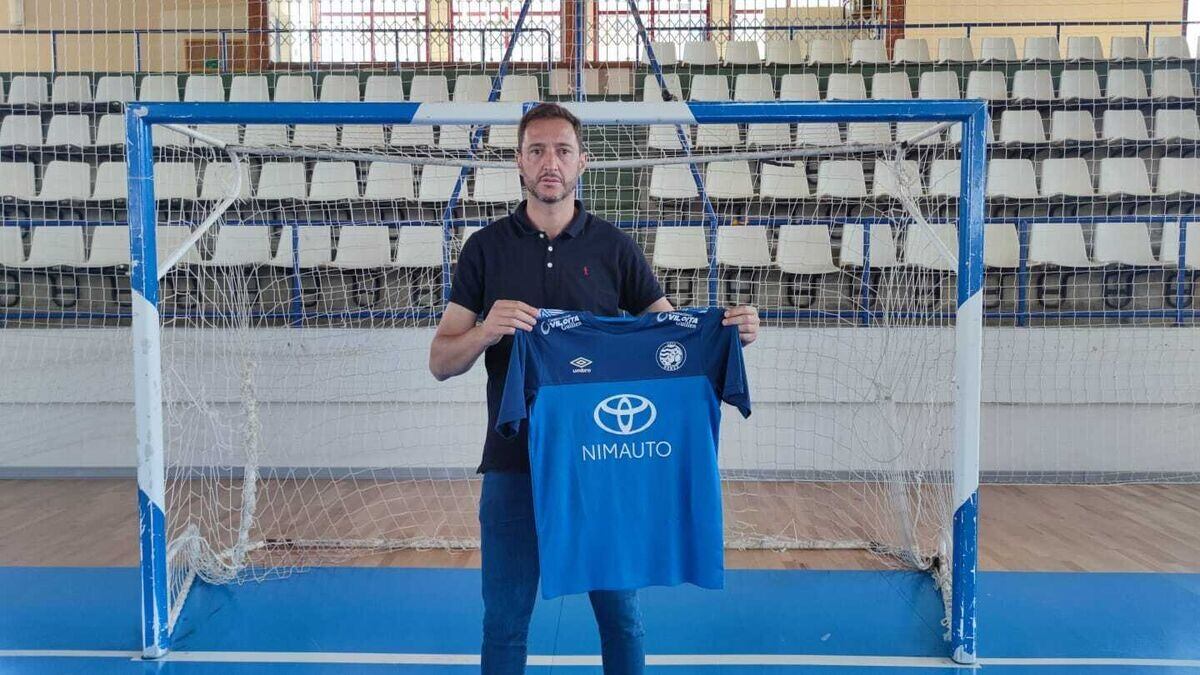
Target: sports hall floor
{"points": [[1075, 580]]}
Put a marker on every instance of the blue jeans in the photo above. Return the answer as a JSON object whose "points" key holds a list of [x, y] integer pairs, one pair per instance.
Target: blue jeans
{"points": [[510, 582]]}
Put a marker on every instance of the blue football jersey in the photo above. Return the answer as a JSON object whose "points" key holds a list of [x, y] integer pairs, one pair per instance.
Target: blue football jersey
{"points": [[624, 419]]}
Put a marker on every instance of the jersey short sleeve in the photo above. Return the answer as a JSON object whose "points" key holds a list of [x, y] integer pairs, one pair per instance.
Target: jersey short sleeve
{"points": [[520, 386], [727, 371]]}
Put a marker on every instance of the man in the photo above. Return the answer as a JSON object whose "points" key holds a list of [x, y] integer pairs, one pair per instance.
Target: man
{"points": [[548, 253]]}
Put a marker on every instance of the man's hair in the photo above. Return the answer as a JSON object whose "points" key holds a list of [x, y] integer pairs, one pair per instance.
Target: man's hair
{"points": [[548, 111]]}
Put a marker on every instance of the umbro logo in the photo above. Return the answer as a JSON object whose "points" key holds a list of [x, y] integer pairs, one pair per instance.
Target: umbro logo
{"points": [[581, 365]]}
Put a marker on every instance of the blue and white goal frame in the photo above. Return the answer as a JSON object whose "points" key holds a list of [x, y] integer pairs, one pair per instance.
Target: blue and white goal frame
{"points": [[139, 118]]}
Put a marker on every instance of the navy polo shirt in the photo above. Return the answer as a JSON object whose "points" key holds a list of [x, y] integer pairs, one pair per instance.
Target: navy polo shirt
{"points": [[591, 266]]}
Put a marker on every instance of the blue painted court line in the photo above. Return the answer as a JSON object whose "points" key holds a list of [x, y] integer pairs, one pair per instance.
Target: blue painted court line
{"points": [[762, 612]]}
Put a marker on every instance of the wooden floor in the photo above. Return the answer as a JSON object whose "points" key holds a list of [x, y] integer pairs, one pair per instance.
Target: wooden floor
{"points": [[1066, 528]]}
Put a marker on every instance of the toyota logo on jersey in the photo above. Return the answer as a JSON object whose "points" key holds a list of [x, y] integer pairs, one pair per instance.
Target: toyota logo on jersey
{"points": [[625, 414]]}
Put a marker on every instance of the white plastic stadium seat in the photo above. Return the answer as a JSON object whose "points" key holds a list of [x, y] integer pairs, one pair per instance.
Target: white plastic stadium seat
{"points": [[71, 89], [891, 86], [934, 247], [159, 88], [1126, 83], [1123, 244], [1033, 85], [680, 247], [314, 134], [281, 180], [1068, 177], [868, 51], [238, 245], [294, 88], [117, 88], [562, 82], [391, 87], [938, 84], [1171, 47], [111, 182], [110, 130], [169, 238], [729, 180], [332, 181], [753, 87], [743, 246], [1001, 246], [363, 247], [783, 181], [990, 85], [883, 246], [804, 249], [12, 247], [818, 133], [252, 88], [1124, 125], [906, 131], [672, 181], [200, 88], [55, 246], [617, 82], [1176, 124], [895, 179], [845, 86], [868, 132], [434, 88], [701, 53], [709, 88], [666, 53], [1169, 250], [1042, 49], [389, 181], [742, 52], [110, 246], [419, 246], [786, 52], [1122, 48], [1059, 244], [1124, 176], [519, 88], [266, 134], [1072, 125], [1011, 179], [998, 49], [799, 87], [955, 50], [651, 91], [827, 51], [437, 183], [27, 89], [1022, 126], [841, 179], [25, 130], [62, 181], [1171, 83], [219, 179], [1178, 175], [371, 135], [315, 247], [1084, 48], [1079, 84], [910, 50], [339, 88], [175, 180], [494, 185]]}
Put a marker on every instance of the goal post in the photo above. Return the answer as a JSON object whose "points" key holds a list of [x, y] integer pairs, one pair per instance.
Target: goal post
{"points": [[210, 438]]}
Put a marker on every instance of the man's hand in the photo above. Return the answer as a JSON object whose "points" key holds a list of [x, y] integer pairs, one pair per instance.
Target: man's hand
{"points": [[506, 318], [745, 318]]}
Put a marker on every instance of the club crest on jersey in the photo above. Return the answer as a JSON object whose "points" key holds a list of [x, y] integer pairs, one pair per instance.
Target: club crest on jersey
{"points": [[625, 414], [671, 356], [679, 319], [564, 322], [581, 364]]}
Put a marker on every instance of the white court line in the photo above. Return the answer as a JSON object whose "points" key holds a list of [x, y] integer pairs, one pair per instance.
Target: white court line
{"points": [[369, 658]]}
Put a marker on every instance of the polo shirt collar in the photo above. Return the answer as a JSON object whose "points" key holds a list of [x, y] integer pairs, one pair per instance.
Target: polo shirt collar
{"points": [[521, 219]]}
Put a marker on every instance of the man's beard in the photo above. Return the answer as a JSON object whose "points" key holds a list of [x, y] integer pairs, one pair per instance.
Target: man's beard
{"points": [[567, 188]]}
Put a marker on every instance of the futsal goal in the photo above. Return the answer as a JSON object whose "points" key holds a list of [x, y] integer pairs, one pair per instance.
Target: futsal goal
{"points": [[290, 263]]}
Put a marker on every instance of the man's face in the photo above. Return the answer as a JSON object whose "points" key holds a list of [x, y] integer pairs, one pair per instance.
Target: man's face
{"points": [[550, 160]]}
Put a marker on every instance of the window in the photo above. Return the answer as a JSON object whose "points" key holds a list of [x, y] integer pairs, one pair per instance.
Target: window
{"points": [[348, 31], [614, 31], [482, 29], [752, 17]]}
